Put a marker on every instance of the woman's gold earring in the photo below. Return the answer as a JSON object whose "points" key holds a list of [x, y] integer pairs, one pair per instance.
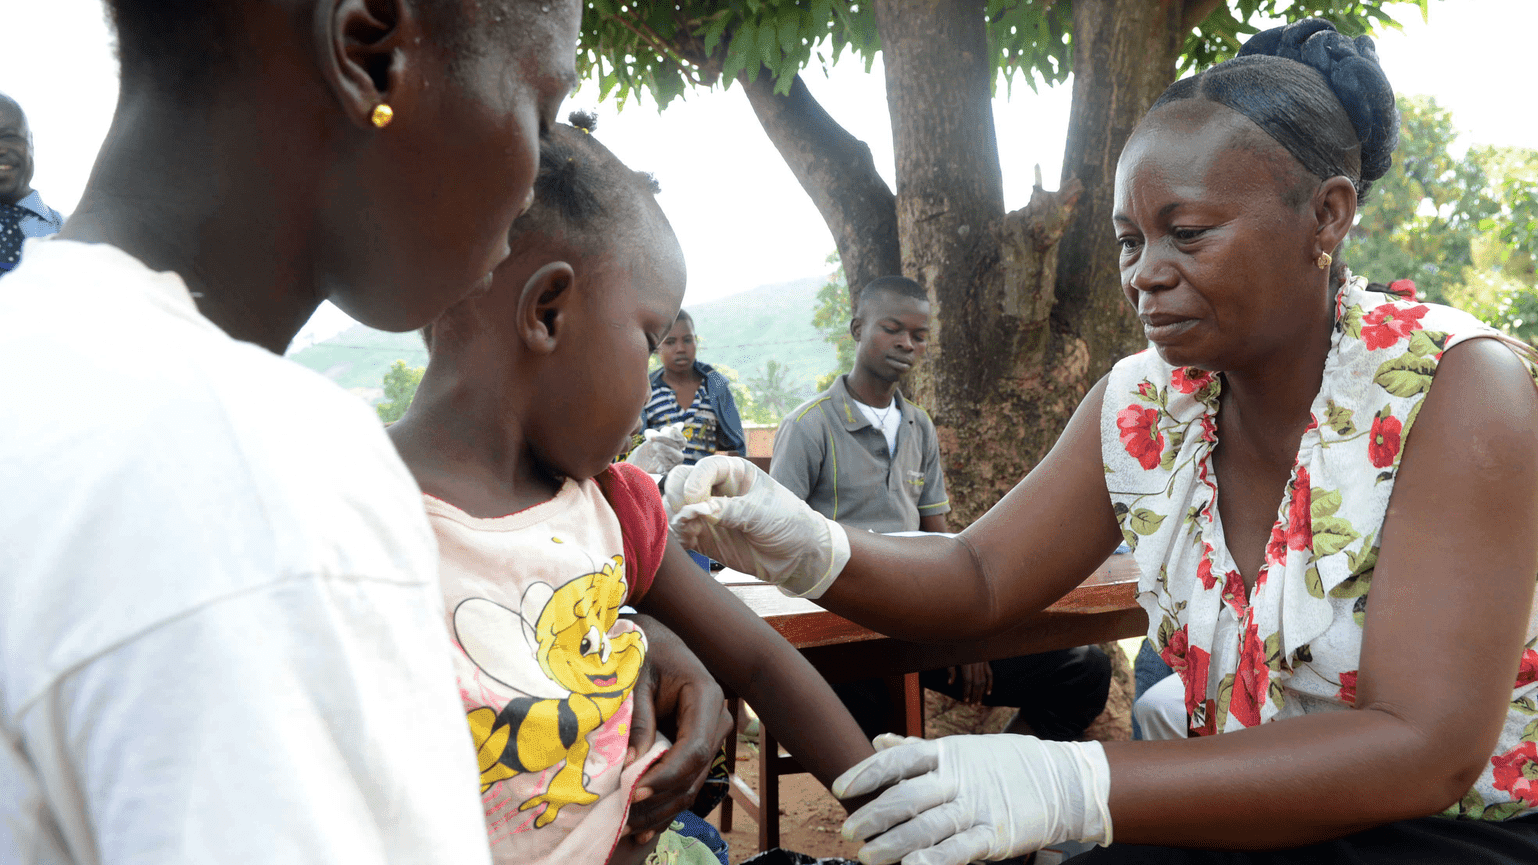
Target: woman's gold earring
{"points": [[1323, 261], [382, 115]]}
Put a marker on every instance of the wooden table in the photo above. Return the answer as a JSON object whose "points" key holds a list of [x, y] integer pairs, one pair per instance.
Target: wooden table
{"points": [[1103, 608]]}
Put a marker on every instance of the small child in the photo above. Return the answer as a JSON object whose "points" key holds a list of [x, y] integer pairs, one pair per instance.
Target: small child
{"points": [[531, 389]]}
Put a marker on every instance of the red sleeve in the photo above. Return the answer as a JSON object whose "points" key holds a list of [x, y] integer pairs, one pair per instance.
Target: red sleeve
{"points": [[642, 521]]}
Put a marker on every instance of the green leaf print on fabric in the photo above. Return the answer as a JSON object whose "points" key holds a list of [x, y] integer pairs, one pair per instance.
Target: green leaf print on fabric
{"points": [[1406, 375], [1274, 658], [1351, 321], [1331, 535], [1530, 732], [1362, 562], [1470, 807], [1339, 419], [1145, 521], [1504, 811], [1312, 582], [1525, 705], [1225, 696], [1323, 503], [1424, 342]]}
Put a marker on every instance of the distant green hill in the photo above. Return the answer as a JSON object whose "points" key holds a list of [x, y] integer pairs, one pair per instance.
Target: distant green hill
{"points": [[746, 330], [359, 355], [743, 331]]}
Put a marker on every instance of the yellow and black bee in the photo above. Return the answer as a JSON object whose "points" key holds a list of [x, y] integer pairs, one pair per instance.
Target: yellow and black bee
{"points": [[575, 651]]}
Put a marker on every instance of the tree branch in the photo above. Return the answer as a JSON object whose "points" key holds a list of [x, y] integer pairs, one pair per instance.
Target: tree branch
{"points": [[837, 172], [661, 46]]}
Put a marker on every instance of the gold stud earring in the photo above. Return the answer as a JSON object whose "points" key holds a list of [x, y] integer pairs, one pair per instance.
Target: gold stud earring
{"points": [[1323, 261], [382, 115]]}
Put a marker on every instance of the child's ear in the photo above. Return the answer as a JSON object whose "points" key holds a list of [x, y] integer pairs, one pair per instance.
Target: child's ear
{"points": [[542, 306], [854, 328]]}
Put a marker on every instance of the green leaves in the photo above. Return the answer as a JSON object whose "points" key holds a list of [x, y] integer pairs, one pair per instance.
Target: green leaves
{"points": [[663, 48], [1144, 521], [1406, 375], [1338, 419]]}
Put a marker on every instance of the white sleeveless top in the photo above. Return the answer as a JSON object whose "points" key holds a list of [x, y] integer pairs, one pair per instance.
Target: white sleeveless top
{"points": [[1293, 645]]}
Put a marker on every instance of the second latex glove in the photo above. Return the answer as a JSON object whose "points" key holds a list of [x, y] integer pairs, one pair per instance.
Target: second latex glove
{"points": [[661, 451], [966, 798], [730, 510]]}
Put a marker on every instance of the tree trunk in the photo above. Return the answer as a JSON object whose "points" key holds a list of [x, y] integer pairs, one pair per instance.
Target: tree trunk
{"points": [[1124, 55], [989, 378], [837, 171]]}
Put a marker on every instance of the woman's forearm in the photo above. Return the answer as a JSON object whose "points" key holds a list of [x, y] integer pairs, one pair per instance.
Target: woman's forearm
{"points": [[1287, 783]]}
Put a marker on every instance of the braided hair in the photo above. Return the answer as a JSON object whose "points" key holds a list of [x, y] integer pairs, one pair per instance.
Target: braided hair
{"points": [[1321, 95]]}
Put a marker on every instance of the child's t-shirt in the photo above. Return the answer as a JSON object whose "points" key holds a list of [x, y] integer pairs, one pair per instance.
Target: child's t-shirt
{"points": [[545, 665]]}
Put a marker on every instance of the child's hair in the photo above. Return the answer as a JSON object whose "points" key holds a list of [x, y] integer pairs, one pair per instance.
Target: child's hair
{"points": [[576, 196]]}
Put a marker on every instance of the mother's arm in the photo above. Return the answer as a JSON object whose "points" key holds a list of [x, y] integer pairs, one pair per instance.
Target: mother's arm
{"points": [[1040, 541], [1448, 613]]}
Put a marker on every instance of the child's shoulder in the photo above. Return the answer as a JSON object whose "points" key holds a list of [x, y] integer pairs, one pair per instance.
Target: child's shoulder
{"points": [[637, 503]]}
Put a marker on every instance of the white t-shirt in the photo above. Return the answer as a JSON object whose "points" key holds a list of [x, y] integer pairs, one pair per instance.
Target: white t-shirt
{"points": [[221, 630], [889, 420]]}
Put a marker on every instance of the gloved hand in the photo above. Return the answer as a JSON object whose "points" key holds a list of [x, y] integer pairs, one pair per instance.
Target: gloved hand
{"points": [[968, 798], [730, 510], [661, 451]]}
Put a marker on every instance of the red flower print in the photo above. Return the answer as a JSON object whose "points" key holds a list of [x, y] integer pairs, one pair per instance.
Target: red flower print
{"points": [[1300, 525], [1516, 772], [1276, 547], [1139, 429], [1405, 288], [1147, 390], [1347, 692], [1194, 674], [1187, 379], [1174, 652], [1204, 568], [1385, 325], [1234, 593], [1383, 446], [1528, 672], [1252, 679]]}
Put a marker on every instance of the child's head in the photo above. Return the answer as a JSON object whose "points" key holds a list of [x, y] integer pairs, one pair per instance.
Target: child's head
{"points": [[677, 351], [591, 288]]}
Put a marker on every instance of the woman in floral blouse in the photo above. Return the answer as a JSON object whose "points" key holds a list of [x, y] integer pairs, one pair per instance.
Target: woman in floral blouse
{"points": [[1352, 619]]}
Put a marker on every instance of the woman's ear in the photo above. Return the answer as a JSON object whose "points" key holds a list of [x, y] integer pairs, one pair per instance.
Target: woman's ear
{"points": [[542, 305], [1334, 212], [363, 48]]}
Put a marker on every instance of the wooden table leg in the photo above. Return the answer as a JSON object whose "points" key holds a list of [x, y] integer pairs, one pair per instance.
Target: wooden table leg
{"points": [[905, 699], [768, 790], [734, 706]]}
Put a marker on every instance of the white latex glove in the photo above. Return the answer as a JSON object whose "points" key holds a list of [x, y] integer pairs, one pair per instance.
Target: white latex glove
{"points": [[967, 798], [730, 510], [661, 451]]}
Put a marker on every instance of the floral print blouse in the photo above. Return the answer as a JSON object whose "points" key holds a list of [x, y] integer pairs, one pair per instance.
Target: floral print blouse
{"points": [[1291, 646]]}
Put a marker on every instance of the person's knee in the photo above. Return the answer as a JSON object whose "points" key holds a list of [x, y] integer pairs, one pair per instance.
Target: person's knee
{"points": [[1161, 711]]}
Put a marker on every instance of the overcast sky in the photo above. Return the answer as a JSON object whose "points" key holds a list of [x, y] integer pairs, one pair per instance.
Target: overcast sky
{"points": [[741, 216]]}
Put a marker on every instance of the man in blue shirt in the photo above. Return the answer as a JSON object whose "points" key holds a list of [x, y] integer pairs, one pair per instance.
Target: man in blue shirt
{"points": [[22, 211]]}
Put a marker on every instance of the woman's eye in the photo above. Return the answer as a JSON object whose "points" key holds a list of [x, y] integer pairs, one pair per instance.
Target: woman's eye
{"points": [[1127, 244], [1186, 234]]}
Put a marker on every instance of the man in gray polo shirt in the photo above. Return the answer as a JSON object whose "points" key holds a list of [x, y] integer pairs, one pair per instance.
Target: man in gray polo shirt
{"points": [[858, 452], [862, 455]]}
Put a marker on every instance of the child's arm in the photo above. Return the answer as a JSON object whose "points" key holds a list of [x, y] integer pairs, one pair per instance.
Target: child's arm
{"points": [[740, 648]]}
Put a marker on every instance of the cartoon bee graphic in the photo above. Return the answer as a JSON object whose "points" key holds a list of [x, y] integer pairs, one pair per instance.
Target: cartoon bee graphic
{"points": [[569, 630]]}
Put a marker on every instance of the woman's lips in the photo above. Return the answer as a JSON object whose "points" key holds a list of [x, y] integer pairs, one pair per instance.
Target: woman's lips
{"points": [[1163, 328]]}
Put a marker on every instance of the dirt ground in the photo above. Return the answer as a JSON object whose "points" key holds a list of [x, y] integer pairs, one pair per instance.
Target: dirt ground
{"points": [[810, 816]]}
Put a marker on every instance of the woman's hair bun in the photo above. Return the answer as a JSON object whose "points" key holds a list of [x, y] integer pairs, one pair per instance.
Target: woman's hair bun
{"points": [[1350, 66], [587, 121]]}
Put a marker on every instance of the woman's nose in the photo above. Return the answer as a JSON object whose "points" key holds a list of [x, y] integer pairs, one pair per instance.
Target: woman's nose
{"points": [[1152, 271]]}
